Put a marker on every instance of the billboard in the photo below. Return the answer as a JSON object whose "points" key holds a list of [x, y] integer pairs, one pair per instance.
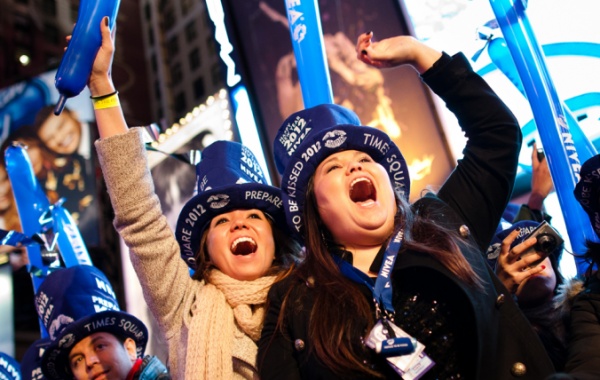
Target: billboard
{"points": [[59, 148], [395, 101]]}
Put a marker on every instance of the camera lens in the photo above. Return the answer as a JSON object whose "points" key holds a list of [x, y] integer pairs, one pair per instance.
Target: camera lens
{"points": [[545, 243]]}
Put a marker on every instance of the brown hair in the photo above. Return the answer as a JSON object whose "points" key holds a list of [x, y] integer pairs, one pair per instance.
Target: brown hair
{"points": [[340, 303]]}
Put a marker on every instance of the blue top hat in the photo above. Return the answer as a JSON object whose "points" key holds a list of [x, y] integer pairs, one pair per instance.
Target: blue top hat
{"points": [[75, 302], [309, 136], [31, 364], [9, 368], [587, 191], [228, 178]]}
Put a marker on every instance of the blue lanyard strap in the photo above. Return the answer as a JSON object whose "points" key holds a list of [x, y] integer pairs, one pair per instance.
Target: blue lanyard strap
{"points": [[382, 288]]}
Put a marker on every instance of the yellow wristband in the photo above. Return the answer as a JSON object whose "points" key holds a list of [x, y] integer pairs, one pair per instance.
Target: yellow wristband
{"points": [[109, 102]]}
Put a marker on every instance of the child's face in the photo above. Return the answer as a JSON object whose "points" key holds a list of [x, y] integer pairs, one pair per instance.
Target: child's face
{"points": [[101, 355], [61, 134]]}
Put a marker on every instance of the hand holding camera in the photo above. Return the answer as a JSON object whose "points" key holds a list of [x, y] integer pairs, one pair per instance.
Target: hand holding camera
{"points": [[520, 257], [548, 240]]}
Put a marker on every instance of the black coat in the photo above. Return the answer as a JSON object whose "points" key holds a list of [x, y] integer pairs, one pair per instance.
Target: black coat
{"points": [[498, 341], [583, 362]]}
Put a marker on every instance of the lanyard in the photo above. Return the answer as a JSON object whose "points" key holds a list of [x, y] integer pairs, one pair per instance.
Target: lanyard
{"points": [[382, 288]]}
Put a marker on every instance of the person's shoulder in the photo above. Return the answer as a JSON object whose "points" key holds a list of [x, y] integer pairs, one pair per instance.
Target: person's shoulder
{"points": [[283, 284], [432, 207], [288, 285]]}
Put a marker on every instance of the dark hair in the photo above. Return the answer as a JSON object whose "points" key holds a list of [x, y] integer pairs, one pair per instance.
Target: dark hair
{"points": [[48, 111], [43, 115], [591, 256], [555, 258], [287, 253], [337, 342]]}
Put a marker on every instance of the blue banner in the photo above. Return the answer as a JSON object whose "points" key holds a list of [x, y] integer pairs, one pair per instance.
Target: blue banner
{"points": [[500, 55], [307, 39], [562, 155], [39, 218]]}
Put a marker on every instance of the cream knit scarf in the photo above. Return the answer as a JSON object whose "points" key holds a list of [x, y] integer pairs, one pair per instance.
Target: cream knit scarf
{"points": [[222, 301]]}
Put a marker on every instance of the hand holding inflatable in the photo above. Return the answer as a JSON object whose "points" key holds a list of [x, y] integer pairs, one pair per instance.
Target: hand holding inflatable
{"points": [[76, 64]]}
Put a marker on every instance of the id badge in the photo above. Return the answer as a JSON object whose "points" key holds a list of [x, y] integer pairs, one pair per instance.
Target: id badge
{"points": [[403, 352]]}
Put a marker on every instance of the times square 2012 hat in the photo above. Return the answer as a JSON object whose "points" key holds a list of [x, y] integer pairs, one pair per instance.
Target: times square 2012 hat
{"points": [[9, 367], [525, 227], [228, 178], [31, 364], [75, 302], [309, 136], [587, 190]]}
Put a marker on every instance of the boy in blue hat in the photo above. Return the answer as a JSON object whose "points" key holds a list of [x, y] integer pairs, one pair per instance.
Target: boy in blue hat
{"points": [[90, 335]]}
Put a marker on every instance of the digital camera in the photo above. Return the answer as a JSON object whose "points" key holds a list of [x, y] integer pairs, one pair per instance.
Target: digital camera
{"points": [[548, 239]]}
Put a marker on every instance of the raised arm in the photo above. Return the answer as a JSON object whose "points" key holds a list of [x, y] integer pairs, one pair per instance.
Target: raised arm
{"points": [[481, 184], [110, 120], [396, 51], [139, 219]]}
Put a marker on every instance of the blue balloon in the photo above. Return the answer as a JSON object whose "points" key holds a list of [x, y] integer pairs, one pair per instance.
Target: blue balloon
{"points": [[71, 244], [500, 55], [76, 65], [31, 204], [38, 216], [307, 39], [562, 155]]}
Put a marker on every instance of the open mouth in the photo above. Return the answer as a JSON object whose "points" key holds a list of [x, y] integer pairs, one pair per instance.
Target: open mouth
{"points": [[243, 246], [362, 190], [99, 375]]}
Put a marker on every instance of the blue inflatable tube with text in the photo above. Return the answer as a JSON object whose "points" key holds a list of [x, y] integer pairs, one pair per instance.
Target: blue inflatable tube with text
{"points": [[311, 61], [500, 55], [562, 155]]}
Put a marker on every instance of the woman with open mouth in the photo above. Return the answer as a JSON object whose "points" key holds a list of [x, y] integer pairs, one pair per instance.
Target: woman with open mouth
{"points": [[388, 289], [232, 235]]}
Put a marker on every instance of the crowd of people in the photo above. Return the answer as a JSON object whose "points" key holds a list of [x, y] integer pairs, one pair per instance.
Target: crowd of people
{"points": [[334, 274]]}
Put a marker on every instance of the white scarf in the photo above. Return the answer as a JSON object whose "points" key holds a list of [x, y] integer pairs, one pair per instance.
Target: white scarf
{"points": [[222, 303]]}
